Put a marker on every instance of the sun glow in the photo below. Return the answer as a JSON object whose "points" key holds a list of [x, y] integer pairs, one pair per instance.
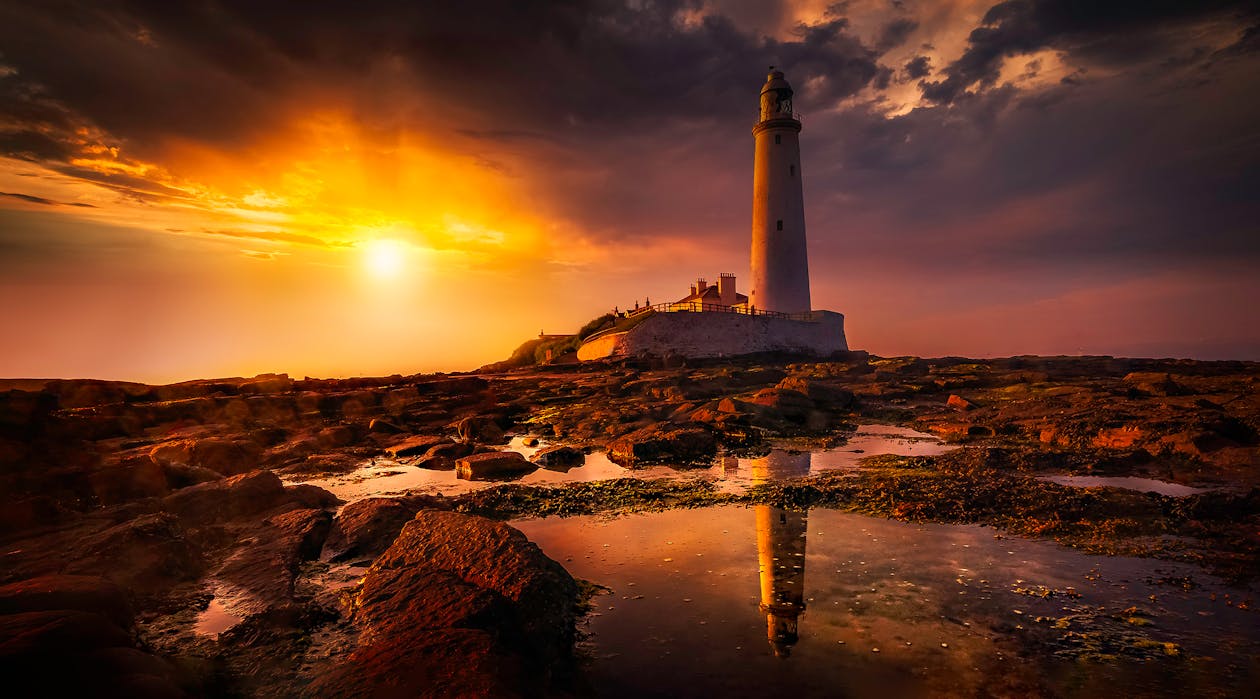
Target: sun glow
{"points": [[385, 259]]}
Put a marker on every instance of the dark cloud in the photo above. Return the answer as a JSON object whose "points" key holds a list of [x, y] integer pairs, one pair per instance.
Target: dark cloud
{"points": [[895, 33], [917, 67], [31, 198], [1123, 32]]}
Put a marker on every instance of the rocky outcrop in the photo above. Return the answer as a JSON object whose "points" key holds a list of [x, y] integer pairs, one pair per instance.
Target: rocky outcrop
{"points": [[457, 606], [559, 458], [493, 465], [365, 528], [657, 443]]}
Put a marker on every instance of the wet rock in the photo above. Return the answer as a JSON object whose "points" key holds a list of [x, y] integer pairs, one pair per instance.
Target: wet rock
{"points": [[416, 445], [657, 443], [437, 462], [559, 458], [265, 563], [480, 429], [530, 441], [379, 426], [493, 465], [457, 606], [367, 527], [450, 450], [959, 403]]}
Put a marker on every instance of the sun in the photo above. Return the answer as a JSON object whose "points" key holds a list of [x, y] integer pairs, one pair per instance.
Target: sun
{"points": [[384, 258]]}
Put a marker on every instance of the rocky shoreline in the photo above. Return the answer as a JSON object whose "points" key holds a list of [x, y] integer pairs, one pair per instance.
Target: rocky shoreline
{"points": [[129, 506]]}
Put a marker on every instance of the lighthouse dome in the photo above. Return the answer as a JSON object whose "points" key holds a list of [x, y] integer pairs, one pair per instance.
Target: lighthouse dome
{"points": [[776, 82]]}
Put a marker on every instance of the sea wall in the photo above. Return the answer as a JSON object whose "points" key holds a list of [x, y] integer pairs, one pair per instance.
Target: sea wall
{"points": [[721, 335]]}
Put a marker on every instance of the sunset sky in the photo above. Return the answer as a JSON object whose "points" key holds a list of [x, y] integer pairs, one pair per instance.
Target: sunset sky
{"points": [[229, 187]]}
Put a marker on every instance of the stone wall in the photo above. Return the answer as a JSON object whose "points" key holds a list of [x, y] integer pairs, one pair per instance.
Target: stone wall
{"points": [[721, 335]]}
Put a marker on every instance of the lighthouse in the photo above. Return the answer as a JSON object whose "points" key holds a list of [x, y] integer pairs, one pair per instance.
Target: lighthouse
{"points": [[775, 316], [780, 263]]}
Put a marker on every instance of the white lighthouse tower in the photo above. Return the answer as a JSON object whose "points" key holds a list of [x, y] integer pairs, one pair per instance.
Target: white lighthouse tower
{"points": [[780, 264], [717, 321]]}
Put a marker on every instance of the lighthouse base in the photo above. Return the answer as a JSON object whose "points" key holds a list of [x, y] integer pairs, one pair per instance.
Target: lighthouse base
{"points": [[715, 334]]}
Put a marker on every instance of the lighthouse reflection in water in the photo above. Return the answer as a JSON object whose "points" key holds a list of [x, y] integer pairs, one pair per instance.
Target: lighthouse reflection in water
{"points": [[781, 553]]}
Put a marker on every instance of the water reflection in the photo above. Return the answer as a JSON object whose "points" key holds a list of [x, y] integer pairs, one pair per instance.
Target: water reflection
{"points": [[781, 553]]}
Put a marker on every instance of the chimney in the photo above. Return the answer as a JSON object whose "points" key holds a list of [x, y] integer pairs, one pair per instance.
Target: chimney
{"points": [[726, 288], [701, 285], [693, 289]]}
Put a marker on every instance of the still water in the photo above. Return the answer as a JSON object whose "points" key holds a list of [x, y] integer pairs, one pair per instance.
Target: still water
{"points": [[761, 601], [388, 477]]}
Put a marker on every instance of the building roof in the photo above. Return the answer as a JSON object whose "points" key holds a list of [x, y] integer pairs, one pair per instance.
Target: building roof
{"points": [[710, 295]]}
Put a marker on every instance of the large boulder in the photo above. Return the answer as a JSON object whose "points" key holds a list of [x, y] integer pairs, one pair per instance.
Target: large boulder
{"points": [[68, 652], [480, 429], [457, 606], [265, 564], [660, 443], [493, 465], [367, 527], [241, 496], [85, 593], [559, 458]]}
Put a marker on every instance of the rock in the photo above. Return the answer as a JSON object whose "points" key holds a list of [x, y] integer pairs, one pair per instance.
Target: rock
{"points": [[959, 403], [436, 462], [379, 426], [818, 392], [656, 443], [493, 465], [225, 456], [457, 606], [559, 458], [230, 498], [147, 554], [136, 477], [530, 441], [480, 429], [793, 405], [418, 444], [336, 436], [85, 593], [1154, 383], [1118, 437], [450, 450], [267, 383], [368, 527], [266, 562]]}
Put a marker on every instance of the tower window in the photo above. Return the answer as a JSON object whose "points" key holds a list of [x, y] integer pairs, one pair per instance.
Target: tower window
{"points": [[779, 226], [792, 170], [778, 139]]}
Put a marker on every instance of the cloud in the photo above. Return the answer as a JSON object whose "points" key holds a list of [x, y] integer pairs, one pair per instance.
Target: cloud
{"points": [[1107, 33], [46, 202]]}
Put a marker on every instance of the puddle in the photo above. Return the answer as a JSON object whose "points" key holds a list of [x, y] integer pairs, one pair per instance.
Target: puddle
{"points": [[387, 477], [1147, 485], [728, 601], [216, 618]]}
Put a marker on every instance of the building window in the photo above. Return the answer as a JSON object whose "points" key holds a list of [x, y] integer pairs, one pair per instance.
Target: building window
{"points": [[778, 139], [779, 226], [792, 170]]}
